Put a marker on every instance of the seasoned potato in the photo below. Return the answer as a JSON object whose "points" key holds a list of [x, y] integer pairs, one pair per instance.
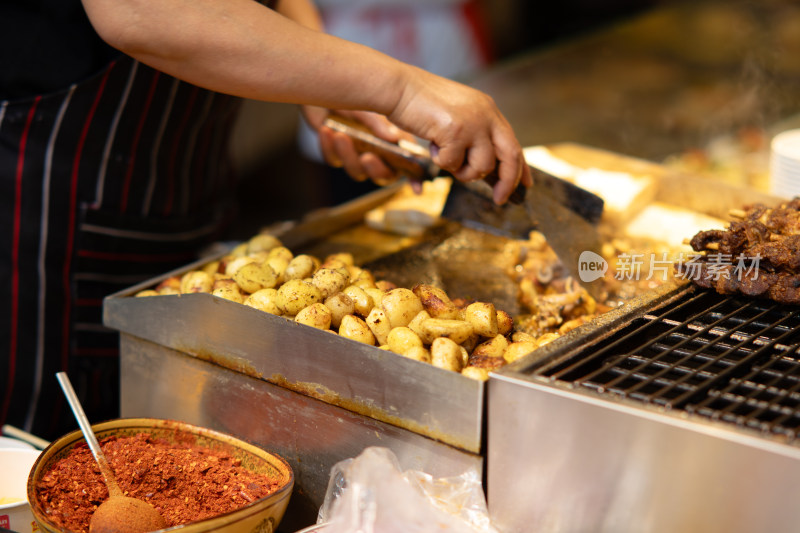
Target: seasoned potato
{"points": [[473, 372], [301, 266], [379, 325], [253, 277], [315, 315], [240, 250], [364, 279], [385, 285], [233, 266], [329, 281], [418, 353], [400, 305], [376, 294], [504, 322], [295, 295], [196, 281], [361, 300], [228, 289], [146, 292], [401, 339], [262, 243], [456, 330], [483, 317], [521, 336], [265, 300], [354, 328], [278, 264], [169, 290], [340, 305], [416, 321], [282, 252], [212, 267], [494, 347], [446, 354], [345, 258], [172, 282], [436, 301], [517, 350]]}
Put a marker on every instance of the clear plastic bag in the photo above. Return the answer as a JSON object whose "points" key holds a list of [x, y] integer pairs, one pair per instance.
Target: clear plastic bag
{"points": [[370, 494]]}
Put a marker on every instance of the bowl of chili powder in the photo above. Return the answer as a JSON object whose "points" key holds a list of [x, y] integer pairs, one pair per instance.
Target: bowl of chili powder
{"points": [[197, 478]]}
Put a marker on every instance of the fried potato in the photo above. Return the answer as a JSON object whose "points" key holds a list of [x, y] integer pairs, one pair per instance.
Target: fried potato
{"points": [[457, 330], [253, 277], [505, 324], [233, 266], [262, 242], [228, 289], [483, 317], [435, 301], [295, 295], [400, 305], [300, 267], [354, 328], [340, 305], [329, 281], [379, 325], [316, 315], [418, 353], [401, 339], [196, 281], [476, 373], [361, 300], [446, 354], [518, 350], [264, 300], [494, 347]]}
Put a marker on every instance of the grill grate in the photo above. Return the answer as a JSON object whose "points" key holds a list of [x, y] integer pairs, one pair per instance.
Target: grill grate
{"points": [[726, 358]]}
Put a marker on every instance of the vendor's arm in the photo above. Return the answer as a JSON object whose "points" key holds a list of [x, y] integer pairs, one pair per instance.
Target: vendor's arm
{"points": [[241, 47]]}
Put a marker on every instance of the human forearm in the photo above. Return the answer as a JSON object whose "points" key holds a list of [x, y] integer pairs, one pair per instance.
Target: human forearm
{"points": [[241, 47]]}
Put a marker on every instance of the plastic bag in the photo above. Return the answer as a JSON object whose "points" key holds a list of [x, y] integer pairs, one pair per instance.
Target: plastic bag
{"points": [[370, 494]]}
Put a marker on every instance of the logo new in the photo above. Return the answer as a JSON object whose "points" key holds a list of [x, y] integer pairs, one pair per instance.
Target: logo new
{"points": [[591, 266]]}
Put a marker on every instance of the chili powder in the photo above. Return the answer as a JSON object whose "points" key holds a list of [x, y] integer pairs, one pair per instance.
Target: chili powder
{"points": [[184, 482]]}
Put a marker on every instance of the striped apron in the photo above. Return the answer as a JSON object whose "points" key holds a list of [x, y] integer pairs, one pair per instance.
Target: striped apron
{"points": [[115, 180]]}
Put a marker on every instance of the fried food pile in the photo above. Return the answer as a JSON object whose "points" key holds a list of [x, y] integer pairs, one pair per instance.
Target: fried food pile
{"points": [[333, 294], [757, 255]]}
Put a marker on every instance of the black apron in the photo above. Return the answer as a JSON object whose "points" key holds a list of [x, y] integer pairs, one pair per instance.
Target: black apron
{"points": [[111, 182]]}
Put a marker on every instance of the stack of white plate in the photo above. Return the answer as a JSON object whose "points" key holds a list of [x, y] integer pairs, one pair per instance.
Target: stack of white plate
{"points": [[785, 164]]}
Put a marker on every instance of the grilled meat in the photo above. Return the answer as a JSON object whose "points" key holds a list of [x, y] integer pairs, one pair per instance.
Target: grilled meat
{"points": [[757, 255]]}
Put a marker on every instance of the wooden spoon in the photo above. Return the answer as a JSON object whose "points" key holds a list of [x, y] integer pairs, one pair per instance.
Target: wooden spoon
{"points": [[119, 513]]}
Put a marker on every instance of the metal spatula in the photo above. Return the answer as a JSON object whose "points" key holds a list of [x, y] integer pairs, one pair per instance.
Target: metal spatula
{"points": [[566, 214]]}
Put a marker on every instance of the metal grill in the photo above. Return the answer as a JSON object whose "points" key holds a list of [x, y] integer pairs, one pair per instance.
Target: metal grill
{"points": [[726, 358]]}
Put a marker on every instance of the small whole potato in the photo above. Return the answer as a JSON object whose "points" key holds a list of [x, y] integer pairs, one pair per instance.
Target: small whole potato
{"points": [[253, 277], [300, 267], [264, 300], [483, 317], [212, 267], [401, 306], [278, 264], [228, 289], [345, 258], [340, 305], [418, 353], [504, 322], [386, 285], [196, 281], [446, 354], [361, 300], [517, 350], [233, 266], [282, 252], [295, 295], [458, 331], [476, 373], [435, 301], [262, 242], [401, 338], [354, 328], [364, 279], [379, 325], [329, 281], [494, 347], [315, 315], [416, 321], [145, 293]]}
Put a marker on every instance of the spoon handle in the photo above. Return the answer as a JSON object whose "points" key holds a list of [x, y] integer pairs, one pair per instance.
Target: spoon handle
{"points": [[88, 434]]}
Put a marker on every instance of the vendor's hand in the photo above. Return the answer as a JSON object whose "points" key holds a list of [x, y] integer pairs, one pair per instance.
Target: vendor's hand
{"points": [[339, 151], [471, 134]]}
